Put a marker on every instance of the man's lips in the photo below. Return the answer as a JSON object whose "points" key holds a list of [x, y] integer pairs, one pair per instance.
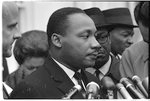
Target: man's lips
{"points": [[93, 55], [100, 54]]}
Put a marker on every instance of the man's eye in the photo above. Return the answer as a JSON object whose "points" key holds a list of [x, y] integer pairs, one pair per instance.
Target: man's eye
{"points": [[85, 36], [31, 68], [12, 26]]}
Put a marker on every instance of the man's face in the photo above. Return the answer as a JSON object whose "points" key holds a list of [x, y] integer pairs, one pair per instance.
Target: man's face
{"points": [[10, 29], [144, 31], [103, 38], [79, 46], [121, 38]]}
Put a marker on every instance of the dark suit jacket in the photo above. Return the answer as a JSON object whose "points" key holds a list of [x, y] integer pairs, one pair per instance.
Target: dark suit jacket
{"points": [[5, 69], [48, 82], [114, 70], [113, 73]]}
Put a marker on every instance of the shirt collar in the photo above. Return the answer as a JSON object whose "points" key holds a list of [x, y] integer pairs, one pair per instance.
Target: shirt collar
{"points": [[118, 56], [68, 71], [105, 68]]}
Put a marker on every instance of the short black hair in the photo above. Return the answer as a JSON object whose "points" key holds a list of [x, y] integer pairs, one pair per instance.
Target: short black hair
{"points": [[32, 44], [141, 13], [57, 21]]}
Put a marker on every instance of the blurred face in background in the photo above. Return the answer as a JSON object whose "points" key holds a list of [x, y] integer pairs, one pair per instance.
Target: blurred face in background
{"points": [[31, 64], [9, 27], [121, 38]]}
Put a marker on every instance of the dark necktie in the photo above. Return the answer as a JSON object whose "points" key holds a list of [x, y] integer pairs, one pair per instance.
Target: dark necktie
{"points": [[78, 77], [97, 72]]}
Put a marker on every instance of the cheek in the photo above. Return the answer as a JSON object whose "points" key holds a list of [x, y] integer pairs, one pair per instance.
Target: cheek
{"points": [[76, 46], [7, 37]]}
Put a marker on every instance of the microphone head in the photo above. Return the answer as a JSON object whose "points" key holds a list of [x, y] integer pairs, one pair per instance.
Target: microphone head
{"points": [[108, 83], [136, 79], [119, 86], [92, 87], [78, 87], [145, 83], [125, 82]]}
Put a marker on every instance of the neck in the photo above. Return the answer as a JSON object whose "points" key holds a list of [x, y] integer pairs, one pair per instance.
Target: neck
{"points": [[61, 60]]}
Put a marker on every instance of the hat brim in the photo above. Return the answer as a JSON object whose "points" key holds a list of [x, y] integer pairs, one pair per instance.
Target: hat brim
{"points": [[119, 25]]}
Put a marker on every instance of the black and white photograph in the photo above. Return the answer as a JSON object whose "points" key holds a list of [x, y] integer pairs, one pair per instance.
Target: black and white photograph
{"points": [[61, 49]]}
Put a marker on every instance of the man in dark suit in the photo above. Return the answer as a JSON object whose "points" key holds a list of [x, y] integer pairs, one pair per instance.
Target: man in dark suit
{"points": [[106, 64], [10, 33], [72, 48]]}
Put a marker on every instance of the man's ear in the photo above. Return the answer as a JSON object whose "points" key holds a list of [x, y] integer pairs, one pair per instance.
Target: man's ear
{"points": [[56, 39]]}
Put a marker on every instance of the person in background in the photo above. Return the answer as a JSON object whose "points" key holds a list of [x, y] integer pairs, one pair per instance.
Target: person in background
{"points": [[121, 31], [106, 64], [135, 60], [72, 48], [10, 32], [30, 52]]}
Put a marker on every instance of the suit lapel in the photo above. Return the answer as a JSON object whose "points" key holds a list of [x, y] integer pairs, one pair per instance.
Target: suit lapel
{"points": [[64, 83], [84, 77], [114, 69]]}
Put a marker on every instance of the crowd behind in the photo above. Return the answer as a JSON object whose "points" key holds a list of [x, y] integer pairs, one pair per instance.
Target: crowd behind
{"points": [[84, 54]]}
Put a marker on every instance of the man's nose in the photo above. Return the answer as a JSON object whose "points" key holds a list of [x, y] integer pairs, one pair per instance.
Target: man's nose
{"points": [[95, 43], [130, 40], [17, 34]]}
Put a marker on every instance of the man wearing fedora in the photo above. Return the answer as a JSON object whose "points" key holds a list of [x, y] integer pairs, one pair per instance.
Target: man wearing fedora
{"points": [[106, 65], [121, 29]]}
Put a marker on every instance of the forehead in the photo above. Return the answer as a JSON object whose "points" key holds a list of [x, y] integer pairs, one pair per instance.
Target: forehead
{"points": [[102, 29], [80, 19], [10, 13]]}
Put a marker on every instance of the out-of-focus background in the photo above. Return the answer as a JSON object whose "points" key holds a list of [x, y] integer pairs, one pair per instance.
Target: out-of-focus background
{"points": [[35, 15]]}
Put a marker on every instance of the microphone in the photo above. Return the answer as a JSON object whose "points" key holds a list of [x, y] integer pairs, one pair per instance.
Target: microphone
{"points": [[123, 91], [131, 89], [138, 82], [145, 83], [92, 90], [72, 92], [109, 85]]}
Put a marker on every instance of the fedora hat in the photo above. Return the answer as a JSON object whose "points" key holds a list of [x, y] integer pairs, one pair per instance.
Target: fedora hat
{"points": [[97, 16], [118, 16]]}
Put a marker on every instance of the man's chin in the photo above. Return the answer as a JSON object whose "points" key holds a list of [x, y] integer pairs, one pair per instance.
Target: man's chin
{"points": [[89, 63], [7, 54]]}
